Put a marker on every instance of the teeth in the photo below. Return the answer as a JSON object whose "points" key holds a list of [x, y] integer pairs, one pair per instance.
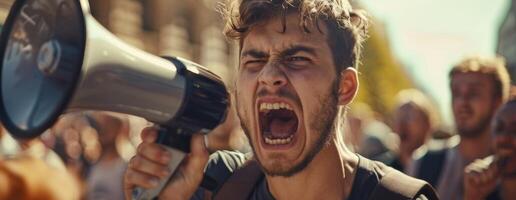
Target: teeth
{"points": [[274, 106], [279, 141]]}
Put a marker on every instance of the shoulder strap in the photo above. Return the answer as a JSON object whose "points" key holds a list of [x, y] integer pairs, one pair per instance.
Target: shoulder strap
{"points": [[395, 185], [431, 166], [242, 183]]}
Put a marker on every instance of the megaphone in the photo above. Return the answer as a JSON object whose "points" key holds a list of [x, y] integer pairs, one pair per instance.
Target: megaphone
{"points": [[55, 57]]}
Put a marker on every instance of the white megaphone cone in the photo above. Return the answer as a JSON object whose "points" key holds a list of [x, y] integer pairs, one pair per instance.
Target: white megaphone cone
{"points": [[55, 57]]}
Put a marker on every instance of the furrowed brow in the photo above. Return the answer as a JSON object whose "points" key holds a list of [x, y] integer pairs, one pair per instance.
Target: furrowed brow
{"points": [[254, 53], [298, 48]]}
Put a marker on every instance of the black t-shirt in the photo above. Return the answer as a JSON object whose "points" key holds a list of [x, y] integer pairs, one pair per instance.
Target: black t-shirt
{"points": [[222, 164]]}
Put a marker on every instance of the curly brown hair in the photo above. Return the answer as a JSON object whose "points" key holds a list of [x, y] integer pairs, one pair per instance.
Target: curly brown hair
{"points": [[346, 27]]}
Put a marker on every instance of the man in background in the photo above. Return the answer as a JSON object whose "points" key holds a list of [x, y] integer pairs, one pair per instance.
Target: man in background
{"points": [[28, 178], [479, 86], [497, 171], [105, 177], [414, 122]]}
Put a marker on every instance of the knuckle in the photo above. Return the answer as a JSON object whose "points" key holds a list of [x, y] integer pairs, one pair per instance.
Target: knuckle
{"points": [[131, 162], [131, 176], [135, 162], [140, 148], [149, 151]]}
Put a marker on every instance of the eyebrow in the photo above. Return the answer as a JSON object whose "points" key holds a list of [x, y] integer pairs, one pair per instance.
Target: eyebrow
{"points": [[254, 53], [292, 50]]}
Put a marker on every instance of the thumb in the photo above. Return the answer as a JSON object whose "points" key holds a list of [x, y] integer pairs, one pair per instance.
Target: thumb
{"points": [[197, 145], [198, 153], [189, 175]]}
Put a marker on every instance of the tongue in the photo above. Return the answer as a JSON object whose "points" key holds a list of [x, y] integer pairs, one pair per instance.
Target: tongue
{"points": [[281, 128]]}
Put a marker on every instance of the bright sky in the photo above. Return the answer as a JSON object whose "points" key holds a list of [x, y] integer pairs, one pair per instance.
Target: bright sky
{"points": [[429, 36]]}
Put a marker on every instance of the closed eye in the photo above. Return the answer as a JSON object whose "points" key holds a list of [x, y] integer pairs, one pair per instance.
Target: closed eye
{"points": [[254, 65], [297, 61], [297, 58]]}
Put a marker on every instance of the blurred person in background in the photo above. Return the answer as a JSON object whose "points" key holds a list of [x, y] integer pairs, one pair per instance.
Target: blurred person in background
{"points": [[28, 178], [358, 117], [12, 147], [498, 171], [379, 142], [25, 168], [479, 86], [76, 142], [8, 146], [369, 136], [414, 122], [105, 178], [37, 149]]}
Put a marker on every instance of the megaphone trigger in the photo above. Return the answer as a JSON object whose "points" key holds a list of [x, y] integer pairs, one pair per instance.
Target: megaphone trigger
{"points": [[206, 141]]}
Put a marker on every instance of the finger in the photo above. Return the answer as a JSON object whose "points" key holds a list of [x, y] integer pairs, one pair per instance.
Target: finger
{"points": [[477, 180], [471, 175], [134, 178], [474, 168], [493, 172], [485, 177], [149, 134], [189, 174], [141, 164], [198, 147], [154, 152], [198, 155]]}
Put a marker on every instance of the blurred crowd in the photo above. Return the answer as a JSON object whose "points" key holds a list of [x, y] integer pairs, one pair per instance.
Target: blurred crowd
{"points": [[475, 160], [84, 155]]}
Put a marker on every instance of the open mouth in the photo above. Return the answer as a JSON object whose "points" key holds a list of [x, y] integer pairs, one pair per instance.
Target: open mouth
{"points": [[278, 123]]}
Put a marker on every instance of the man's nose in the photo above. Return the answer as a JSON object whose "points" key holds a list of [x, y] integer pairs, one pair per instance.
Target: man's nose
{"points": [[460, 101], [272, 76]]}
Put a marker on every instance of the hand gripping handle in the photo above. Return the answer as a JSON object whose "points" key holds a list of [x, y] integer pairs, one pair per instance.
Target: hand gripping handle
{"points": [[178, 146]]}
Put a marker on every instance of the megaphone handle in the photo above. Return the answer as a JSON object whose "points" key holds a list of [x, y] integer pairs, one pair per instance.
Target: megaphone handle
{"points": [[169, 138]]}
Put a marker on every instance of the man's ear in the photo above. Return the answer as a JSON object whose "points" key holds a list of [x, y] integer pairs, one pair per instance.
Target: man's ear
{"points": [[348, 85]]}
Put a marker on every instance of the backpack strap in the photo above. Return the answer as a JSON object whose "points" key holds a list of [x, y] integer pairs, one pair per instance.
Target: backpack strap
{"points": [[242, 183], [431, 166], [395, 185]]}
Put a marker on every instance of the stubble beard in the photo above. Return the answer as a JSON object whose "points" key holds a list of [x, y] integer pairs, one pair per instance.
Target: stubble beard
{"points": [[323, 123], [478, 129]]}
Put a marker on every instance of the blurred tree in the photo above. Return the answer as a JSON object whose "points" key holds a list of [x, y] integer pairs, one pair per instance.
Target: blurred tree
{"points": [[380, 75]]}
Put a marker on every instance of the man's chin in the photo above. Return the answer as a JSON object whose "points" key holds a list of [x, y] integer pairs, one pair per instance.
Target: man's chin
{"points": [[470, 131], [280, 168], [277, 164]]}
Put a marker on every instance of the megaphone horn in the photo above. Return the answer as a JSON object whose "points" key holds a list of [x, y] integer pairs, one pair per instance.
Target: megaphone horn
{"points": [[55, 57]]}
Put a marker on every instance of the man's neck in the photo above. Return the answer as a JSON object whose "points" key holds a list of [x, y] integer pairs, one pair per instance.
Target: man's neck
{"points": [[472, 148], [405, 156], [330, 175]]}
